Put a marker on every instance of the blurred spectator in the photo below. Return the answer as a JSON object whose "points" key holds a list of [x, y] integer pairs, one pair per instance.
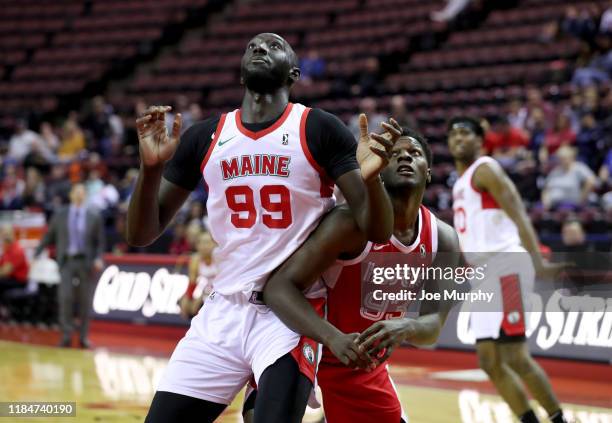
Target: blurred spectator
{"points": [[536, 101], [14, 265], [561, 134], [506, 143], [595, 71], [192, 232], [369, 79], [181, 105], [538, 131], [179, 244], [605, 25], [58, 187], [580, 24], [196, 214], [369, 107], [34, 190], [605, 171], [573, 238], [100, 195], [450, 11], [573, 110], [312, 65], [104, 125], [73, 139], [400, 114], [590, 142], [550, 32], [569, 183], [517, 114], [49, 136], [115, 236], [11, 189], [23, 141]]}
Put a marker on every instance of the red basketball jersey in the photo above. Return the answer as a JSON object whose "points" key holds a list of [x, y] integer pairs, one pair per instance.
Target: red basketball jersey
{"points": [[346, 310]]}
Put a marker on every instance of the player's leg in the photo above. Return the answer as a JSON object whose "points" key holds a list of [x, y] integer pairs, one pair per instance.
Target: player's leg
{"points": [[282, 393], [207, 369], [171, 407], [516, 355], [357, 396], [505, 380], [248, 407]]}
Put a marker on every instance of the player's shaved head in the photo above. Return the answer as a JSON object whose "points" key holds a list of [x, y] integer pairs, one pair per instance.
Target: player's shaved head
{"points": [[269, 64]]}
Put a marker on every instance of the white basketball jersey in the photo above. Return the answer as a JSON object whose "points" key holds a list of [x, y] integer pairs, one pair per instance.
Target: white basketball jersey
{"points": [[482, 226], [265, 196]]}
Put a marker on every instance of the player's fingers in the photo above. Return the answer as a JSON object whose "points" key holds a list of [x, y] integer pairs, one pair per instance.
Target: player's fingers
{"points": [[363, 360], [381, 152], [363, 125], [352, 357], [141, 123], [380, 346], [392, 130], [371, 341], [385, 356], [384, 141], [396, 125], [368, 332], [176, 128]]}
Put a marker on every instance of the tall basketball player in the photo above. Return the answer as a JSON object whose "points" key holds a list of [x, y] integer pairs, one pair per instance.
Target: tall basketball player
{"points": [[494, 229], [269, 168], [358, 395]]}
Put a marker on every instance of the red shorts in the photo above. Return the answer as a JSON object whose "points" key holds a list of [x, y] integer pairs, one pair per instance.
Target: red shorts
{"points": [[356, 396], [306, 354]]}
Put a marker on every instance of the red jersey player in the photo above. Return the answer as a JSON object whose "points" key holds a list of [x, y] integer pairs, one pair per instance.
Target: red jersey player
{"points": [[358, 395]]}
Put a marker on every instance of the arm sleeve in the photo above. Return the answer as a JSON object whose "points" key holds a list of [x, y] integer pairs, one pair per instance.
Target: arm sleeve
{"points": [[331, 143], [183, 169]]}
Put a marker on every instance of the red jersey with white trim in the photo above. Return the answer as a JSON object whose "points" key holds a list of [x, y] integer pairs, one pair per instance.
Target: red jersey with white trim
{"points": [[269, 194], [346, 311], [482, 226]]}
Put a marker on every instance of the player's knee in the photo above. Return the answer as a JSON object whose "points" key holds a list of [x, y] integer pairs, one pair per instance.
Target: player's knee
{"points": [[489, 364], [520, 362]]}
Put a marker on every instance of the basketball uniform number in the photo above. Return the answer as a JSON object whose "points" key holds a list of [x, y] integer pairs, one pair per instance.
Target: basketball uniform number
{"points": [[275, 199]]}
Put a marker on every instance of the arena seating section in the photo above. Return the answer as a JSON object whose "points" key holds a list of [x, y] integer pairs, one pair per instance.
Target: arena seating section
{"points": [[56, 49]]}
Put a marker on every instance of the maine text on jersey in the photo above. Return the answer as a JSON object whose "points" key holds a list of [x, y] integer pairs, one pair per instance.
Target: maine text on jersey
{"points": [[255, 165]]}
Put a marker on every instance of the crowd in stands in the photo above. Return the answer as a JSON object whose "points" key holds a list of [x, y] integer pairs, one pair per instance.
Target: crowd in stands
{"points": [[559, 153]]}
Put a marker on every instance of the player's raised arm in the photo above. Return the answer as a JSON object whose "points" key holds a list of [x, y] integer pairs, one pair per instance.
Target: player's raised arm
{"points": [[363, 190], [386, 335], [336, 234], [155, 200], [491, 177]]}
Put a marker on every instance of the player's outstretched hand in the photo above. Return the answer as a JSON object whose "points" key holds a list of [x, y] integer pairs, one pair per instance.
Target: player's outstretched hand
{"points": [[156, 145], [380, 339], [374, 150], [347, 351]]}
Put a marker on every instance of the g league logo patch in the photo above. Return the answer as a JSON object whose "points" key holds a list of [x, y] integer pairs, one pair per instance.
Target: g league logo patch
{"points": [[514, 317], [285, 139], [423, 251], [308, 353]]}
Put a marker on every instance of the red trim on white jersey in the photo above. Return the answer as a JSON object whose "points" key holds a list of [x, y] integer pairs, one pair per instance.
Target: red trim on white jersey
{"points": [[212, 146], [487, 200], [327, 185], [256, 135]]}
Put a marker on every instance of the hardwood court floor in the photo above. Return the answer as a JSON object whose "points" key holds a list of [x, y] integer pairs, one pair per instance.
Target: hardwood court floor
{"points": [[110, 385]]}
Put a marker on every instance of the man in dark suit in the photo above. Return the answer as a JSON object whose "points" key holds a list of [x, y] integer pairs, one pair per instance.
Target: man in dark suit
{"points": [[78, 236]]}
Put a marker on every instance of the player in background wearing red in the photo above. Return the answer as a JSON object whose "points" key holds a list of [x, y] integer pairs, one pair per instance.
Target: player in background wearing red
{"points": [[494, 229], [269, 168], [201, 271], [358, 328]]}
